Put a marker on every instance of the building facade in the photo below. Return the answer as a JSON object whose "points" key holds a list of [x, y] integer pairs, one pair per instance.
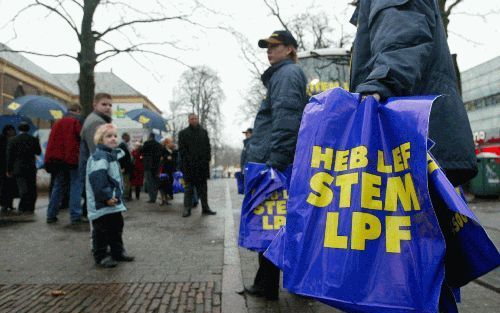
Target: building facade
{"points": [[19, 76], [481, 95]]}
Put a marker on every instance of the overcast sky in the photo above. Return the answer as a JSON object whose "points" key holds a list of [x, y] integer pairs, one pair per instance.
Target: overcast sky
{"points": [[473, 38]]}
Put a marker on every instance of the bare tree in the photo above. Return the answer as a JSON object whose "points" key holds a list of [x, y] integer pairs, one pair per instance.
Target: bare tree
{"points": [[312, 29], [446, 7], [199, 92], [252, 98], [90, 36]]}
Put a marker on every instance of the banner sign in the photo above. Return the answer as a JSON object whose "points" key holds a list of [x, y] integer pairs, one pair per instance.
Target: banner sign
{"points": [[263, 211]]}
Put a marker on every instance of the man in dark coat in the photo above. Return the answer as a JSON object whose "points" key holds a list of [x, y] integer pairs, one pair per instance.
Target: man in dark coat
{"points": [[126, 165], [244, 156], [8, 188], [21, 164], [276, 129], [151, 157], [195, 155], [401, 50]]}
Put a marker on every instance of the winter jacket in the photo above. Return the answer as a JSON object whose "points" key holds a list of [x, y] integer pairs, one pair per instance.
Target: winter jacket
{"points": [[64, 142], [277, 122], [401, 50], [126, 163], [244, 154], [151, 155], [21, 155], [195, 153], [103, 182]]}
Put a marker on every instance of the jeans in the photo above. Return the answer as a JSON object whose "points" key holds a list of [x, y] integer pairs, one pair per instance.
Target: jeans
{"points": [[75, 192]]}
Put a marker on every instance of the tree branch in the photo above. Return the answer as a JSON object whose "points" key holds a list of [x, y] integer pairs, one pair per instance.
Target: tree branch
{"points": [[40, 54], [52, 9], [276, 12], [466, 39], [451, 6], [141, 21], [77, 3]]}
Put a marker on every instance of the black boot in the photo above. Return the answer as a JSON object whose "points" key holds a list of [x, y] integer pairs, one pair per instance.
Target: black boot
{"points": [[208, 212], [187, 212]]}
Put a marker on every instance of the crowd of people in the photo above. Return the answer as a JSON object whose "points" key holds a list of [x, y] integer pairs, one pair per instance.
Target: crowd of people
{"points": [[94, 175]]}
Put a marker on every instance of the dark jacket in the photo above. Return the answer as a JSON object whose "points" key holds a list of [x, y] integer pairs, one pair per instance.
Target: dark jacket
{"points": [[3, 154], [64, 142], [244, 154], [21, 152], [277, 122], [401, 50], [169, 161], [151, 155], [195, 153], [126, 162]]}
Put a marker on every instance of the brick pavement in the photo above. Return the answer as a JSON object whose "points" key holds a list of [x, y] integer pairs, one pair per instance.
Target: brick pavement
{"points": [[202, 297]]}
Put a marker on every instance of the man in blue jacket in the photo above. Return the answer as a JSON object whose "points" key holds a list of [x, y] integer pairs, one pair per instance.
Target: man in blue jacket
{"points": [[401, 50], [276, 128]]}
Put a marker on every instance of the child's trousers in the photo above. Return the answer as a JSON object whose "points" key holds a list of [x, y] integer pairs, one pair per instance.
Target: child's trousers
{"points": [[107, 231]]}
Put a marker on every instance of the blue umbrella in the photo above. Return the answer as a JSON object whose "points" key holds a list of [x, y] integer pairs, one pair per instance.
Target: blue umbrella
{"points": [[41, 107], [148, 118]]}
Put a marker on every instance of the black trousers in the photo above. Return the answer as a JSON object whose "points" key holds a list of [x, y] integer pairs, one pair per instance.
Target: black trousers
{"points": [[27, 192], [8, 191], [201, 189], [107, 231], [267, 278]]}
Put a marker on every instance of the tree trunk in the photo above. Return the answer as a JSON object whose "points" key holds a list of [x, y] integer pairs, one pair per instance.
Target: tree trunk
{"points": [[87, 57]]}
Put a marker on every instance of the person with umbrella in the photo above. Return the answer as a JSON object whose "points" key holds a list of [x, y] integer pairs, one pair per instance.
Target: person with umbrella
{"points": [[8, 187], [21, 164], [151, 157]]}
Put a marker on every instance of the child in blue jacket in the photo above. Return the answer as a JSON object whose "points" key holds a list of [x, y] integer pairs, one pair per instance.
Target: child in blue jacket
{"points": [[104, 188]]}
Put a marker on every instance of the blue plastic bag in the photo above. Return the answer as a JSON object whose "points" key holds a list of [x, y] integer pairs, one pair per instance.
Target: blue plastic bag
{"points": [[178, 184], [263, 210], [361, 232], [240, 182], [470, 253], [349, 238]]}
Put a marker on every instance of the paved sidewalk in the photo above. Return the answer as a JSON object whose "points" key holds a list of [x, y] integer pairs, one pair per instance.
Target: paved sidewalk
{"points": [[182, 264], [178, 266]]}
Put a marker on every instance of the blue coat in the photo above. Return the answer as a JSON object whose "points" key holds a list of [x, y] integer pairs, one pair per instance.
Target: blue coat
{"points": [[278, 120], [103, 182], [401, 50]]}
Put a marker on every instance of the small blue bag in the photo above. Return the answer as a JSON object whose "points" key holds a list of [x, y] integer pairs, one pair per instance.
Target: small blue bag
{"points": [[240, 182], [263, 211], [178, 184]]}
